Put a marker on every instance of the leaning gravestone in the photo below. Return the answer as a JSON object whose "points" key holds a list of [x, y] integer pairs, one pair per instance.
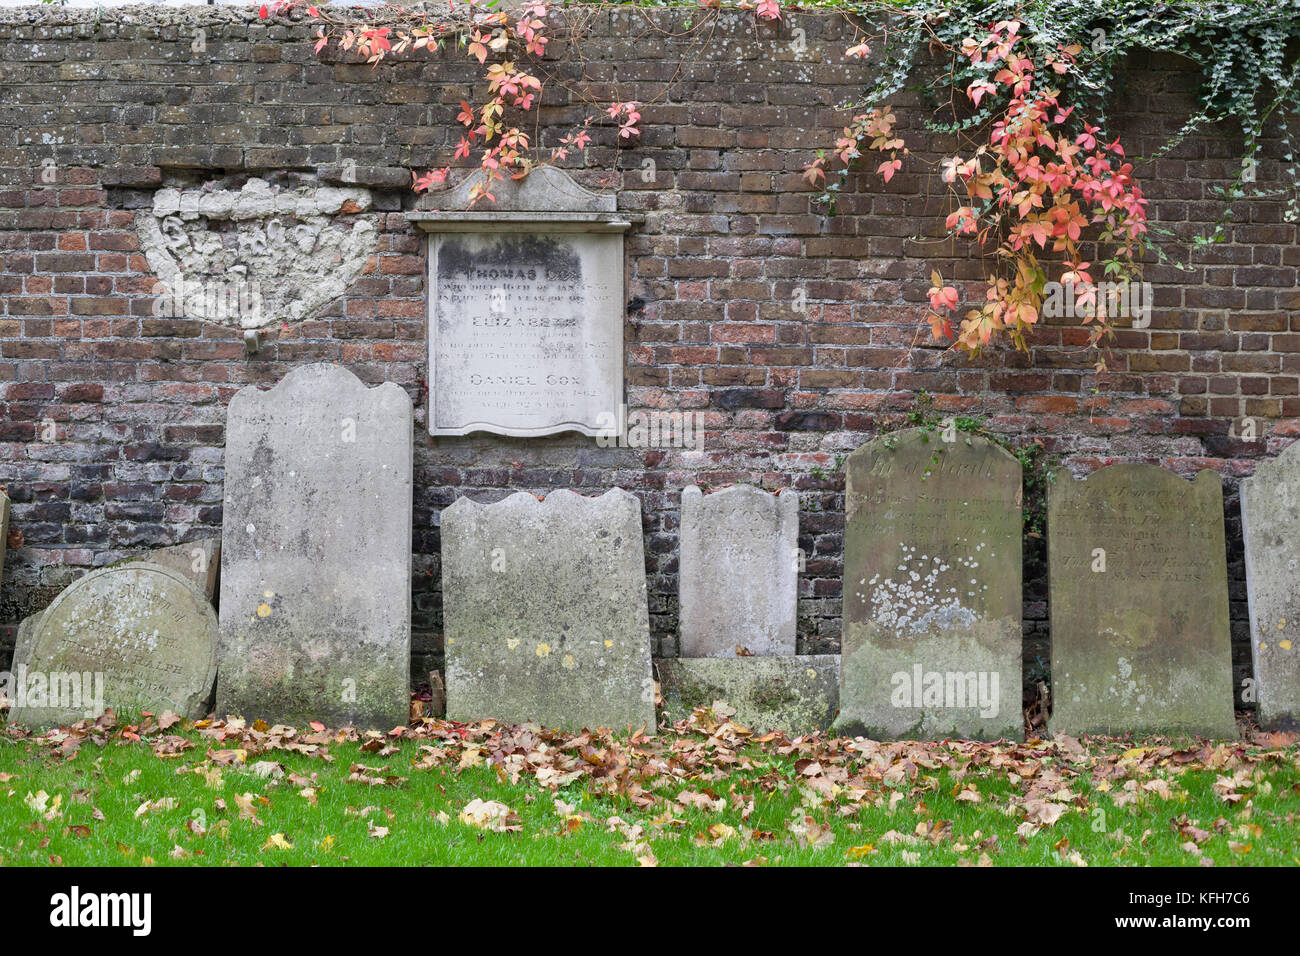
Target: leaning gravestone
{"points": [[135, 637], [738, 575], [932, 606], [1139, 604], [545, 611], [197, 560], [316, 552], [526, 294], [1270, 520]]}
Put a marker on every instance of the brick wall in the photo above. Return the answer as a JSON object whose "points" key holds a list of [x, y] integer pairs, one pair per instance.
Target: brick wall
{"points": [[122, 103]]}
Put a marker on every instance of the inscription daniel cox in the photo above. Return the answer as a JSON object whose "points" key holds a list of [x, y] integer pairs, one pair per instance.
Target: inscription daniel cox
{"points": [[526, 303]]}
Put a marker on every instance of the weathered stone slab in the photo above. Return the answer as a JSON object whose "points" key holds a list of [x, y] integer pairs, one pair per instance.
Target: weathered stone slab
{"points": [[136, 637], [316, 552], [200, 561], [1139, 604], [545, 611], [932, 589], [23, 639], [796, 695], [738, 576], [1270, 521]]}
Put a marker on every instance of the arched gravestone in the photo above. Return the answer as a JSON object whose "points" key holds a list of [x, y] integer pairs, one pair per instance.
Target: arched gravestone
{"points": [[932, 589], [1270, 520], [1139, 603], [142, 633], [738, 574], [545, 611], [316, 552]]}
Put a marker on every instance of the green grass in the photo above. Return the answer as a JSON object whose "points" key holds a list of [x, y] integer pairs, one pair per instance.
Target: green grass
{"points": [[781, 802]]}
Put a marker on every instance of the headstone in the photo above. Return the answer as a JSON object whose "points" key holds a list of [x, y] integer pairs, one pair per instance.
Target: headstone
{"points": [[4, 532], [545, 612], [738, 574], [135, 637], [525, 307], [795, 695], [198, 560], [1270, 520], [316, 552], [1139, 604], [932, 606], [23, 639]]}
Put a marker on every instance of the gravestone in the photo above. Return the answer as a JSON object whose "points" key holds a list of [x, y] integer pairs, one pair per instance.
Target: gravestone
{"points": [[1270, 521], [1139, 603], [525, 307], [738, 575], [932, 589], [4, 532], [134, 637], [316, 552], [796, 695], [545, 612]]}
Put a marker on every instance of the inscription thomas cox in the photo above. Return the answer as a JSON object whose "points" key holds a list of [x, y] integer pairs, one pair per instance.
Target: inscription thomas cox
{"points": [[528, 332]]}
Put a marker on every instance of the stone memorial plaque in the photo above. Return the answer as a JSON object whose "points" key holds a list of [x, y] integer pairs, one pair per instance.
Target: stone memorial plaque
{"points": [[738, 576], [526, 300], [316, 552], [795, 695], [545, 612], [135, 637], [932, 589], [1139, 603], [1270, 520]]}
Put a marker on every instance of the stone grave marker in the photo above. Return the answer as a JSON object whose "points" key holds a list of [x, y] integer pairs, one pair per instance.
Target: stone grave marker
{"points": [[545, 611], [137, 636], [1270, 520], [525, 307], [1139, 603], [316, 552], [4, 532], [738, 575], [932, 589]]}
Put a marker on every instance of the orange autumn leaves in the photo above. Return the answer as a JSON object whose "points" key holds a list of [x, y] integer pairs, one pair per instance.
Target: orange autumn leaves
{"points": [[1031, 188]]}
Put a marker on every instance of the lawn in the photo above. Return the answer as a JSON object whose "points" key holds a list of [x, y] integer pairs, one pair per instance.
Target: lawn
{"points": [[162, 791]]}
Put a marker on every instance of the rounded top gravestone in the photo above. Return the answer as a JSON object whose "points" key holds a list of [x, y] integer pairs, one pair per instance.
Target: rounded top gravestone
{"points": [[136, 636]]}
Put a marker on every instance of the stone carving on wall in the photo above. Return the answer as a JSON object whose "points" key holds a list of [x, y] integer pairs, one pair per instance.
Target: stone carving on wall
{"points": [[258, 255]]}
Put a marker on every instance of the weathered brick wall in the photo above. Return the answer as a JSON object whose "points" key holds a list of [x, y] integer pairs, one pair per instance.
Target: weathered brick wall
{"points": [[122, 103]]}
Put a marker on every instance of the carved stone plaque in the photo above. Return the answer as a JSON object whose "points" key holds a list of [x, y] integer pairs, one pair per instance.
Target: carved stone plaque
{"points": [[525, 309]]}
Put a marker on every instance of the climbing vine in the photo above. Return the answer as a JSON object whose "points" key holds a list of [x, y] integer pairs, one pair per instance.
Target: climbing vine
{"points": [[1038, 186]]}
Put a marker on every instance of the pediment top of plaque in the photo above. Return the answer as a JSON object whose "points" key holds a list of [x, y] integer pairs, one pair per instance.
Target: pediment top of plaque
{"points": [[546, 195]]}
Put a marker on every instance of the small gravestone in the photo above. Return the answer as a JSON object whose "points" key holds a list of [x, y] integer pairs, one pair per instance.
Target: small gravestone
{"points": [[4, 532], [545, 611], [526, 294], [739, 572], [1270, 520], [796, 695], [932, 606], [1139, 604], [135, 637], [197, 560], [316, 552]]}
